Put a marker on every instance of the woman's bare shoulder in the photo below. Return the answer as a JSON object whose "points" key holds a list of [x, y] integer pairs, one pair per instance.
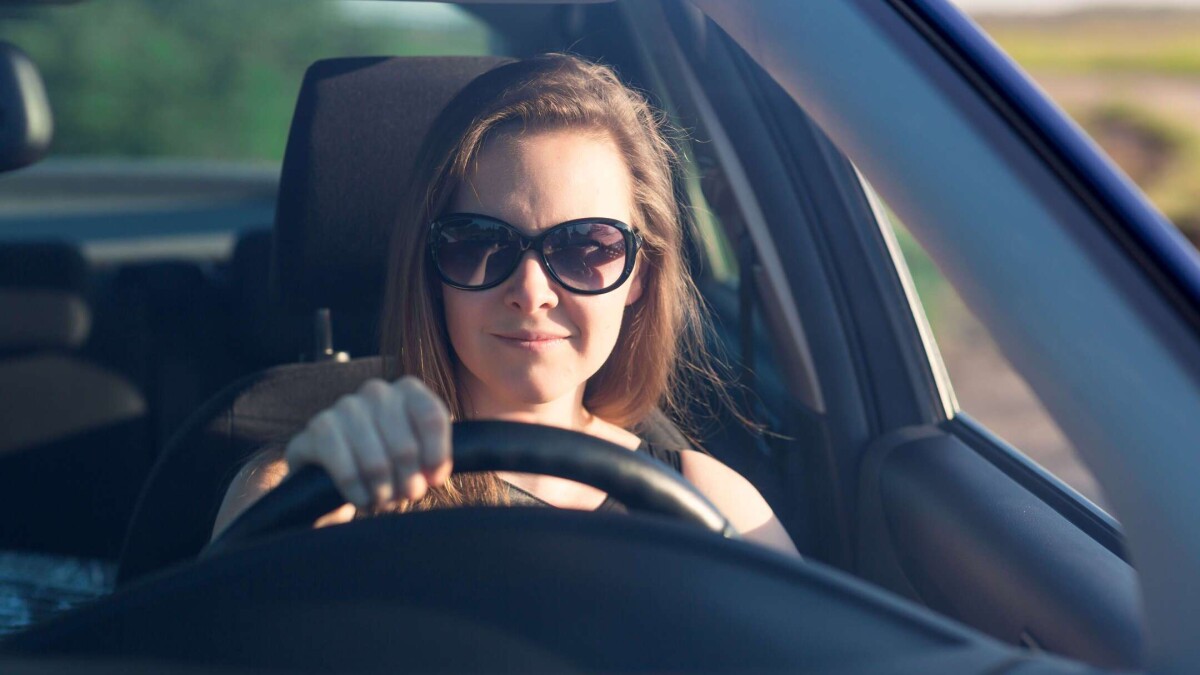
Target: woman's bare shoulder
{"points": [[737, 498], [614, 434], [263, 473]]}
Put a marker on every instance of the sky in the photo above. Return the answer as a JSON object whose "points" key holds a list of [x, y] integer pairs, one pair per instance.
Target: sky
{"points": [[1052, 6]]}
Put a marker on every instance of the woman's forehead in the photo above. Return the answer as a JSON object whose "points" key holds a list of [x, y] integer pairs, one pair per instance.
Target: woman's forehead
{"points": [[536, 180]]}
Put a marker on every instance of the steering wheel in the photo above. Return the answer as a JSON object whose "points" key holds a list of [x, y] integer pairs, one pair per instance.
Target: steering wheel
{"points": [[638, 482]]}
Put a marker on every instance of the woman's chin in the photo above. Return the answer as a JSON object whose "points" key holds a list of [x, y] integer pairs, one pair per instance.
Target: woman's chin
{"points": [[535, 395], [526, 392]]}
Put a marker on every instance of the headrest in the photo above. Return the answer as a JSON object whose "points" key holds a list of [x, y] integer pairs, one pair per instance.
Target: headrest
{"points": [[268, 334], [46, 319], [42, 264], [42, 283], [357, 128]]}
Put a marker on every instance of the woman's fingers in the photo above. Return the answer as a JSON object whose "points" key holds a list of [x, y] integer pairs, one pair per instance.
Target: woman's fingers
{"points": [[384, 442], [361, 435], [430, 421], [322, 443], [401, 443], [343, 514]]}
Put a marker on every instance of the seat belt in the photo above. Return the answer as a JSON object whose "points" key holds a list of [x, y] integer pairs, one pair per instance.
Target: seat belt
{"points": [[748, 271], [747, 261]]}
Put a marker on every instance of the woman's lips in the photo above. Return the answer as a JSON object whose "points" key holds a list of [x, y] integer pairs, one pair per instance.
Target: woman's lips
{"points": [[535, 342]]}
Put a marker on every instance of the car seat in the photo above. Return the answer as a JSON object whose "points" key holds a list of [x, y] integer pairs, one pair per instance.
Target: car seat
{"points": [[267, 334], [355, 133], [69, 423]]}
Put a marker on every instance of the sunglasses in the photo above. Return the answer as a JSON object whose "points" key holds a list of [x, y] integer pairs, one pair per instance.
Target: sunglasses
{"points": [[586, 255]]}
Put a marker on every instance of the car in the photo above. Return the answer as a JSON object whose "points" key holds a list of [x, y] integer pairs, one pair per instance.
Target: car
{"points": [[929, 544]]}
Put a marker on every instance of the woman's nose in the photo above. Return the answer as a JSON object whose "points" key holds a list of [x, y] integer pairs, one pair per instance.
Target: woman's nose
{"points": [[531, 286]]}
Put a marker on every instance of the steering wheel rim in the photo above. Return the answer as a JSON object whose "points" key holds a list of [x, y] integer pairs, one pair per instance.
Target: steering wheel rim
{"points": [[639, 482]]}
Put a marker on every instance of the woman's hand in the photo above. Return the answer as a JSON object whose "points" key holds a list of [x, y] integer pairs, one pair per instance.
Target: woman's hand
{"points": [[381, 443]]}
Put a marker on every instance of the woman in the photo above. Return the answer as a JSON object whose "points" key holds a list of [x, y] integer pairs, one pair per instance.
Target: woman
{"points": [[537, 277]]}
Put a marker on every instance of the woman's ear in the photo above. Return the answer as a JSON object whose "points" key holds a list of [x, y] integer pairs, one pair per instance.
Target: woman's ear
{"points": [[636, 284]]}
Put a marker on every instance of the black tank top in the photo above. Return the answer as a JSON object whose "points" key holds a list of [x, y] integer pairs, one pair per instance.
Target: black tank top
{"points": [[519, 497]]}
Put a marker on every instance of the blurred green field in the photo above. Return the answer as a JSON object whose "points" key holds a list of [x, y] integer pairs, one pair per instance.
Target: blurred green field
{"points": [[1108, 41]]}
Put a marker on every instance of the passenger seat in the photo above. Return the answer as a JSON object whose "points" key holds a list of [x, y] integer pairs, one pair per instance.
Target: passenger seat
{"points": [[72, 432]]}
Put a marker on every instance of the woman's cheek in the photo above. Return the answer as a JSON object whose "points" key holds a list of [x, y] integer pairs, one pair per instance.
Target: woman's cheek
{"points": [[458, 321], [604, 331]]}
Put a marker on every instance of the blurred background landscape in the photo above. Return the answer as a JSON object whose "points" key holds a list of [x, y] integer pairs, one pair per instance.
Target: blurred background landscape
{"points": [[212, 79]]}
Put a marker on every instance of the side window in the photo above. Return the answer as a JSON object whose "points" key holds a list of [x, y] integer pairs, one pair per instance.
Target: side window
{"points": [[719, 256], [985, 384]]}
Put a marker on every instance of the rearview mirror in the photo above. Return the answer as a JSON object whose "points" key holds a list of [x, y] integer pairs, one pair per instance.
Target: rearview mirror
{"points": [[26, 125]]}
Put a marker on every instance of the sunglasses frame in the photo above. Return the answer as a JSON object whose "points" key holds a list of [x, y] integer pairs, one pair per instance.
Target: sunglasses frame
{"points": [[633, 243]]}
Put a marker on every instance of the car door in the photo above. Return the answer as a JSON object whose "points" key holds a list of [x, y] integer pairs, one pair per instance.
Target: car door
{"points": [[902, 488]]}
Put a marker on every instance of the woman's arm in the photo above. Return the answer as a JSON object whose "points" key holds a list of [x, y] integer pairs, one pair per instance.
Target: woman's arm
{"points": [[737, 498], [263, 473], [259, 476]]}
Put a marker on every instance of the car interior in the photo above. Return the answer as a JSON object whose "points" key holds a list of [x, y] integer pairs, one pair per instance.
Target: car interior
{"points": [[146, 383], [179, 369]]}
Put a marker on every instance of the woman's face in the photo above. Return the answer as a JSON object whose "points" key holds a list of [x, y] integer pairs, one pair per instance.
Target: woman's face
{"points": [[530, 341]]}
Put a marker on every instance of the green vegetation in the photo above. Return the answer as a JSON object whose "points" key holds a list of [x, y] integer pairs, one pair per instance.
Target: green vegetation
{"points": [[214, 79], [1103, 41], [1160, 154], [931, 287], [1093, 54]]}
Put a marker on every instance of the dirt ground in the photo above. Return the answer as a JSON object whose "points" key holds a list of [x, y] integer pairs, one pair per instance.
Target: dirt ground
{"points": [[1174, 96]]}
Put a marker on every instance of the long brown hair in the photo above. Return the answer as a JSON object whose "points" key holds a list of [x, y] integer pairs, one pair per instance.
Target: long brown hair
{"points": [[660, 348]]}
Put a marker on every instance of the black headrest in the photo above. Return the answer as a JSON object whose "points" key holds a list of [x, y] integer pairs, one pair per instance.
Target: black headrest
{"points": [[43, 283], [47, 265], [269, 334], [357, 128]]}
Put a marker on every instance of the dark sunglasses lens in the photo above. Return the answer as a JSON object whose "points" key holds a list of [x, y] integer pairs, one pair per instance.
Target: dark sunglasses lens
{"points": [[587, 256], [476, 252]]}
